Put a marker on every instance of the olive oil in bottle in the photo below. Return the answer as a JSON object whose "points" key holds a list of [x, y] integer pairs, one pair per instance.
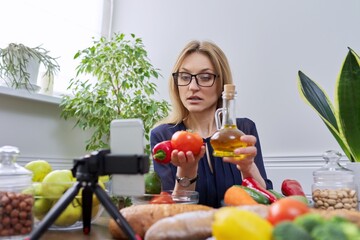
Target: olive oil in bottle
{"points": [[227, 138]]}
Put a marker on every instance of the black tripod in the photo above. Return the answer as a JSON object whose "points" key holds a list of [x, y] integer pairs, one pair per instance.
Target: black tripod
{"points": [[87, 171]]}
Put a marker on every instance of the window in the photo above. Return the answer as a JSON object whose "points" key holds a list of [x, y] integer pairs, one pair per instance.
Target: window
{"points": [[61, 26]]}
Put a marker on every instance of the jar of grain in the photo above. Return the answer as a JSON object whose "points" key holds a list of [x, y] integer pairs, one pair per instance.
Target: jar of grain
{"points": [[16, 197], [334, 186]]}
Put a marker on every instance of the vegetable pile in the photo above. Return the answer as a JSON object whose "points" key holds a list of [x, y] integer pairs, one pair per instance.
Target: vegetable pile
{"points": [[289, 216], [287, 219]]}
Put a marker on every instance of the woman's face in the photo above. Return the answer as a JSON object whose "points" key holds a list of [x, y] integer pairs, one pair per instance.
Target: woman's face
{"points": [[196, 98]]}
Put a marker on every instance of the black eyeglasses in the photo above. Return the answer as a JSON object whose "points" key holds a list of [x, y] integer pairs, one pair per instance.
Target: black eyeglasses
{"points": [[202, 79]]}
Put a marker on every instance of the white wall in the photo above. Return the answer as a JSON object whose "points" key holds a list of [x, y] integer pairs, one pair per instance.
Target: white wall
{"points": [[35, 127], [266, 42]]}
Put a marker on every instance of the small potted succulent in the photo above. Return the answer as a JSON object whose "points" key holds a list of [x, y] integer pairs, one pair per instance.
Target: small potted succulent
{"points": [[19, 65]]}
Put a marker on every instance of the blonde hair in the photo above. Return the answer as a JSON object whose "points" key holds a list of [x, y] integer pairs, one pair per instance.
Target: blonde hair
{"points": [[222, 70]]}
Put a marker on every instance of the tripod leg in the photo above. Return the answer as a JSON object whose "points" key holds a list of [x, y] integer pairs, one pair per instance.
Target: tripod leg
{"points": [[114, 212], [87, 208], [55, 211]]}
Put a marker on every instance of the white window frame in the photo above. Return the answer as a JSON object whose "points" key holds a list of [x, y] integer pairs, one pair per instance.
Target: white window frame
{"points": [[61, 26]]}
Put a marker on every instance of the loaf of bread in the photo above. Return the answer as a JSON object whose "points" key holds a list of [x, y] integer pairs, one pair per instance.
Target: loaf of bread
{"points": [[194, 225], [141, 217]]}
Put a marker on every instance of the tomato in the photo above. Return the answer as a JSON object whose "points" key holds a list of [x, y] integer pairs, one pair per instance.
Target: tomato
{"points": [[187, 141], [286, 209], [163, 198]]}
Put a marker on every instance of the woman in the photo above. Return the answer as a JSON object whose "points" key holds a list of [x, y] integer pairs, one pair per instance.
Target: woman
{"points": [[196, 86]]}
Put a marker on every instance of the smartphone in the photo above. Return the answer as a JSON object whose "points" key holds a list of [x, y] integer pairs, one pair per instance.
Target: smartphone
{"points": [[127, 138]]}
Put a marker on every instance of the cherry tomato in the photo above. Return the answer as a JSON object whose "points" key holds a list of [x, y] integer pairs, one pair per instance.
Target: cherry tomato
{"points": [[286, 209], [163, 198], [187, 141]]}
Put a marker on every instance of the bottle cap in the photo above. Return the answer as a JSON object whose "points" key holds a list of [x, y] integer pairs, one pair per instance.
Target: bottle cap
{"points": [[230, 88], [229, 91]]}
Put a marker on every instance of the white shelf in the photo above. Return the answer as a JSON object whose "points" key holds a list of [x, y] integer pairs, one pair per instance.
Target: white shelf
{"points": [[20, 93]]}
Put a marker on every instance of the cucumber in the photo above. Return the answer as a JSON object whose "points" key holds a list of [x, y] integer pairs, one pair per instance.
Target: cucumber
{"points": [[277, 194], [258, 197]]}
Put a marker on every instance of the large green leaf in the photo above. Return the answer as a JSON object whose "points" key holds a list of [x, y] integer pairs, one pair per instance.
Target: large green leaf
{"points": [[347, 101], [317, 99]]}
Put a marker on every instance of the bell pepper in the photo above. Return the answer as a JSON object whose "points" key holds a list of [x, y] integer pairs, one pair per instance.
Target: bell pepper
{"points": [[234, 223], [252, 183], [291, 187], [161, 152]]}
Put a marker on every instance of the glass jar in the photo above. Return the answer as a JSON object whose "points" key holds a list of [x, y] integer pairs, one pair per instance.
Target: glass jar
{"points": [[334, 186], [16, 198], [227, 137]]}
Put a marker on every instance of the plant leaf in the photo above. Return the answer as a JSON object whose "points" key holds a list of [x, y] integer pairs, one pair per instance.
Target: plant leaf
{"points": [[347, 100], [317, 98]]}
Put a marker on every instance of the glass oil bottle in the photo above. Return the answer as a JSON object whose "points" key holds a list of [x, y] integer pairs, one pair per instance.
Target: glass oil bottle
{"points": [[227, 138]]}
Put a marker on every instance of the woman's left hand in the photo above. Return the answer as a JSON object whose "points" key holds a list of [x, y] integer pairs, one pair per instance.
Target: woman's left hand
{"points": [[248, 153], [247, 165]]}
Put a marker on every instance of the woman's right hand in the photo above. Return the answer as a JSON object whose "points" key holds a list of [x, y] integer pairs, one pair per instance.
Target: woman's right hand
{"points": [[187, 162]]}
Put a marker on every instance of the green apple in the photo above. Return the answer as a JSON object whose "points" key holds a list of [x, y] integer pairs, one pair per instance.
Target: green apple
{"points": [[56, 183], [71, 214], [39, 168]]}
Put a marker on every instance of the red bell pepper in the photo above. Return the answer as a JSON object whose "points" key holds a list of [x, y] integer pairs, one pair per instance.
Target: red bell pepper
{"points": [[162, 152], [291, 187], [252, 183]]}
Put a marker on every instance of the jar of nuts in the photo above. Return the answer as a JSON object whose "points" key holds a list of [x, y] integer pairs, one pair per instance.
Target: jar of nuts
{"points": [[16, 198], [334, 186]]}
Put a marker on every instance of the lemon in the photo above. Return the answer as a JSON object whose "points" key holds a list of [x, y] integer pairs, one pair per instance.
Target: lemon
{"points": [[39, 168], [233, 223]]}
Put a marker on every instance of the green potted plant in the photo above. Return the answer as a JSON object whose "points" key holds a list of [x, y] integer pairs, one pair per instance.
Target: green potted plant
{"points": [[343, 117], [113, 81], [19, 65]]}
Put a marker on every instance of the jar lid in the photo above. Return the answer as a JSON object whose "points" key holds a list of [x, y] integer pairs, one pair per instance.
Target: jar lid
{"points": [[332, 171], [10, 170]]}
